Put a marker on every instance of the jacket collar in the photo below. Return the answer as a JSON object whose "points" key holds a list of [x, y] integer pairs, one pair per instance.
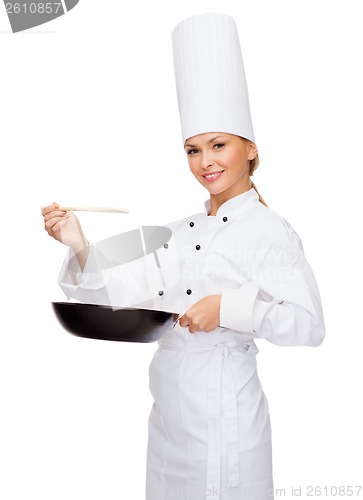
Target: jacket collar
{"points": [[236, 205]]}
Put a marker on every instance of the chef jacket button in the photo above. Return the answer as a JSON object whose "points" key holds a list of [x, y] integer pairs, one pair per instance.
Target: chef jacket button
{"points": [[166, 245], [198, 247], [191, 224], [189, 291], [225, 219], [161, 292]]}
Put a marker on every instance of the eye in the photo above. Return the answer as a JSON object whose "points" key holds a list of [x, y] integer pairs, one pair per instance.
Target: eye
{"points": [[218, 146], [192, 151]]}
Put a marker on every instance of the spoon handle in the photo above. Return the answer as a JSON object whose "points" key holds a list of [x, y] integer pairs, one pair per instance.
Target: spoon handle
{"points": [[96, 209]]}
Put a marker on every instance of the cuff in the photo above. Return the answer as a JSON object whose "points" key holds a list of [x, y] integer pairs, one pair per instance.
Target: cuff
{"points": [[237, 306]]}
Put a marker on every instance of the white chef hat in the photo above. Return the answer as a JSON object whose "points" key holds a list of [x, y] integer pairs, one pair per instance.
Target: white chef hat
{"points": [[210, 77]]}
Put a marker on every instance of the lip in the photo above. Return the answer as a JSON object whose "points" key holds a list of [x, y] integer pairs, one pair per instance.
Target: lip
{"points": [[213, 177]]}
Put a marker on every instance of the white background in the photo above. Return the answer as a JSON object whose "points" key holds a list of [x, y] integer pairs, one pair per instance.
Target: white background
{"points": [[88, 115]]}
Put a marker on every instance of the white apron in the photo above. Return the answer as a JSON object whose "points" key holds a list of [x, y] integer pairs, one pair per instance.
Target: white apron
{"points": [[209, 427]]}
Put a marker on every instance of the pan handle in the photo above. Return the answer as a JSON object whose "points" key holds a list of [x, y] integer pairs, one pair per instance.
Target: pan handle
{"points": [[176, 318]]}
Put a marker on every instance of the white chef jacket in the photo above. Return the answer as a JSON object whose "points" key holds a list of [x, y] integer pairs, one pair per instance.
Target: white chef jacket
{"points": [[209, 427]]}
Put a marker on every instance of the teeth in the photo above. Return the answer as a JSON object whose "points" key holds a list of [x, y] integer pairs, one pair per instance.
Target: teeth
{"points": [[209, 176]]}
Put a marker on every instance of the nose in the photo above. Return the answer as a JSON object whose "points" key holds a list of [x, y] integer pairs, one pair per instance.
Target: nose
{"points": [[206, 161]]}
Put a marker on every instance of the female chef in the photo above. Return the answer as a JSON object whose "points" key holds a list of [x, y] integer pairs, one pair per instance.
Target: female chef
{"points": [[243, 276]]}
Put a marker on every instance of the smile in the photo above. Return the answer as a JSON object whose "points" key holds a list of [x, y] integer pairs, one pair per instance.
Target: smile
{"points": [[213, 175]]}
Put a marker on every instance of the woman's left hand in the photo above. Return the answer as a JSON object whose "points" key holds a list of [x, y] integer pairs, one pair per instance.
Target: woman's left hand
{"points": [[203, 316]]}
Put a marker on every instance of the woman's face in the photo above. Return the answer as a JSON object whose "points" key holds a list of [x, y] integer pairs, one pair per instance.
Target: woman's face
{"points": [[220, 162]]}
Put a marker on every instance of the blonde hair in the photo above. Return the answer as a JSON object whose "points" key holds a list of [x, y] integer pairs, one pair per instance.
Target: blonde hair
{"points": [[253, 165]]}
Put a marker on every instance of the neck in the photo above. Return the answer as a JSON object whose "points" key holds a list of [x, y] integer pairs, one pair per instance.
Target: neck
{"points": [[216, 200]]}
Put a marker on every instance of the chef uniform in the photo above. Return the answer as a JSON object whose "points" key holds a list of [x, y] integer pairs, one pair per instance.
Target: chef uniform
{"points": [[209, 426]]}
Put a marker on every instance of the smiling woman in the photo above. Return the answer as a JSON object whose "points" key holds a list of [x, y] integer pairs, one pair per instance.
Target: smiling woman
{"points": [[242, 277], [222, 164]]}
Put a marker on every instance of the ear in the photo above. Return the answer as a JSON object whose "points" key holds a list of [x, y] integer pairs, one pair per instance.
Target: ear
{"points": [[252, 150]]}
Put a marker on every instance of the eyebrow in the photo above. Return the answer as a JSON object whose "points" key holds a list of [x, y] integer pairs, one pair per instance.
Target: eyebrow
{"points": [[213, 139]]}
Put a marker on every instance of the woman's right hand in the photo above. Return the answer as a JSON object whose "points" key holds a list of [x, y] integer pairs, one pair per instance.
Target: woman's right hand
{"points": [[64, 227]]}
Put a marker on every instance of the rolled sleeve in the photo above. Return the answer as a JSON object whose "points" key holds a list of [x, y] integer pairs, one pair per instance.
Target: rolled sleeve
{"points": [[237, 306], [83, 285], [103, 283]]}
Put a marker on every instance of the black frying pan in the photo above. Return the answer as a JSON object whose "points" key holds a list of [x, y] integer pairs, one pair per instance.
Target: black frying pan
{"points": [[121, 324], [104, 323]]}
